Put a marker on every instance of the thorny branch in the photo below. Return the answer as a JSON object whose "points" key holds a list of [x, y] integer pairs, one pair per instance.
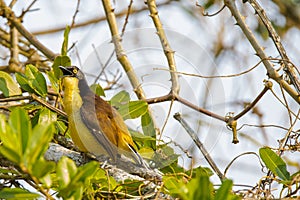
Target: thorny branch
{"points": [[120, 52], [288, 67], [165, 45], [272, 73]]}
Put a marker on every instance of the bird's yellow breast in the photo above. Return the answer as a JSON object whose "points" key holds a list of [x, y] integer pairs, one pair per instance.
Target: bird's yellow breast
{"points": [[80, 134]]}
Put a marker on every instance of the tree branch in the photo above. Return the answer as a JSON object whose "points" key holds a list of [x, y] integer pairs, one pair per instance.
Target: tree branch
{"points": [[288, 67], [272, 73], [200, 145], [6, 12], [165, 45], [120, 52]]}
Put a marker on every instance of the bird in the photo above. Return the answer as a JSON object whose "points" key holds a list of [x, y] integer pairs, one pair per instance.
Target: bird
{"points": [[95, 126]]}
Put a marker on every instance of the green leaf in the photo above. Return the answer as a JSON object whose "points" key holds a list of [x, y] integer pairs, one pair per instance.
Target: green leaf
{"points": [[47, 179], [61, 61], [148, 125], [200, 187], [44, 115], [36, 80], [53, 80], [139, 137], [42, 168], [149, 129], [119, 99], [64, 48], [133, 110], [23, 82], [164, 157], [66, 169], [176, 186], [47, 116], [274, 163], [97, 89], [9, 148], [85, 172], [24, 145], [11, 154], [8, 86], [20, 125], [72, 179], [32, 81], [224, 191], [100, 178], [17, 193], [3, 87], [61, 127], [38, 143]]}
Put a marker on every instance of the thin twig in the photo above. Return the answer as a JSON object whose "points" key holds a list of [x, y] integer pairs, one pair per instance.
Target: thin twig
{"points": [[50, 107], [266, 126], [202, 110], [75, 14], [206, 13], [283, 103], [170, 97], [268, 85], [287, 105], [200, 145], [166, 120], [211, 77], [127, 17], [27, 9], [286, 137], [233, 160]]}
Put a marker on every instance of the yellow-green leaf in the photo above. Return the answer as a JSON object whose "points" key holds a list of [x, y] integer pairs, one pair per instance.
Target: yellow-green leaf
{"points": [[8, 85], [17, 193], [274, 163], [133, 109], [97, 89], [119, 99], [64, 48]]}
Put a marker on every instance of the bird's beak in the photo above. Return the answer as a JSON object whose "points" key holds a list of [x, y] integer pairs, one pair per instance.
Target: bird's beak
{"points": [[66, 71]]}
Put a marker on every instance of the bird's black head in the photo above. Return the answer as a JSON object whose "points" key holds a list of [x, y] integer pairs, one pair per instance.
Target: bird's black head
{"points": [[72, 71]]}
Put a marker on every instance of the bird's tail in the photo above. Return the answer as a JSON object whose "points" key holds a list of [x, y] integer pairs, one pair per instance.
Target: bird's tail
{"points": [[137, 157]]}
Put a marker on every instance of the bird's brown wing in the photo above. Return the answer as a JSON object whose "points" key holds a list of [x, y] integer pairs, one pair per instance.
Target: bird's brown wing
{"points": [[99, 113], [89, 113]]}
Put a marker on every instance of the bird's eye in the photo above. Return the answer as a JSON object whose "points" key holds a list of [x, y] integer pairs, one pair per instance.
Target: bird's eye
{"points": [[75, 71]]}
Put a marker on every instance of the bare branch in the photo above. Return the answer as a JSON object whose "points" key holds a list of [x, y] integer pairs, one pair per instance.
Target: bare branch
{"points": [[200, 145], [120, 52], [10, 16], [272, 73], [288, 68], [165, 45]]}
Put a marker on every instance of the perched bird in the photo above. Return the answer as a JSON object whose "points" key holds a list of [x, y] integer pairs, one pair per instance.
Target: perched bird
{"points": [[95, 125]]}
